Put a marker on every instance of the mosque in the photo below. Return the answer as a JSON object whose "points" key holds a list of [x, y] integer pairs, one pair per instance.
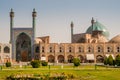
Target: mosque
{"points": [[90, 47]]}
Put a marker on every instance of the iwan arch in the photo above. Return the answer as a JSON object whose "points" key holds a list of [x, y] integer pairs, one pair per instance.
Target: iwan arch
{"points": [[90, 47]]}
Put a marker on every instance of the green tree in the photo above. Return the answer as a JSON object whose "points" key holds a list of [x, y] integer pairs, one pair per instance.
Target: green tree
{"points": [[105, 61], [110, 60], [76, 62], [117, 60]]}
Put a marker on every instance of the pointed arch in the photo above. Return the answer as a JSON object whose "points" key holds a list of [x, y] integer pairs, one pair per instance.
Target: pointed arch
{"points": [[81, 58], [70, 58], [99, 59], [51, 58], [60, 58], [23, 47]]}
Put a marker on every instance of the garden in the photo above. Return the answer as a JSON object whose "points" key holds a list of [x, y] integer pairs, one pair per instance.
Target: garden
{"points": [[37, 70], [88, 72]]}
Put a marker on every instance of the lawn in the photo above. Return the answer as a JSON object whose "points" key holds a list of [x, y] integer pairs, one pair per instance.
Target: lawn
{"points": [[82, 72]]}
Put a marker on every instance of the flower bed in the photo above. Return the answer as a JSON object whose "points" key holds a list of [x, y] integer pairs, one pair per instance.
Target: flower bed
{"points": [[53, 76]]}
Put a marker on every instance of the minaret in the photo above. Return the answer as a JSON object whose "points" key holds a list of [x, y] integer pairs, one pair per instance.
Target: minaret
{"points": [[92, 22], [11, 24], [72, 25], [34, 14]]}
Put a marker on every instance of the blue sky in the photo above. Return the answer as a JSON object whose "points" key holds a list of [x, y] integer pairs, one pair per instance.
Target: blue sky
{"points": [[54, 17]]}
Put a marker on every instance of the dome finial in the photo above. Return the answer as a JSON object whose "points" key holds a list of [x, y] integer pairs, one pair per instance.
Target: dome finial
{"points": [[11, 10], [72, 25], [34, 10], [92, 21]]}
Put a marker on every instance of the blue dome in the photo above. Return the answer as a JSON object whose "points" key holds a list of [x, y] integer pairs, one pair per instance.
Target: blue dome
{"points": [[98, 27]]}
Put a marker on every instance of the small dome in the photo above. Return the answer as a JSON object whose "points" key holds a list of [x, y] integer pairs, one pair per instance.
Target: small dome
{"points": [[115, 39], [98, 27]]}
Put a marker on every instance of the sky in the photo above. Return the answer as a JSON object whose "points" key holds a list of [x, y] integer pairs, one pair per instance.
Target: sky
{"points": [[54, 17]]}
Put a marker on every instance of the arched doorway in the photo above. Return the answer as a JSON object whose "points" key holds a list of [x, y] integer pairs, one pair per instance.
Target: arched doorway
{"points": [[6, 49], [81, 58], [60, 58], [23, 48], [99, 59], [51, 58], [70, 58]]}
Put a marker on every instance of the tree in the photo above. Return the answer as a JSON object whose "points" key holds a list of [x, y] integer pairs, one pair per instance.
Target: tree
{"points": [[76, 62], [110, 60], [105, 61], [117, 60]]}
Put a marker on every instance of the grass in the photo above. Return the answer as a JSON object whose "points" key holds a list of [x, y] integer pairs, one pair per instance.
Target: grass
{"points": [[82, 72]]}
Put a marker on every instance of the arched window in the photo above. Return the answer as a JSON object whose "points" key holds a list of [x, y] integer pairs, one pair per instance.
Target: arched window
{"points": [[70, 49], [61, 48], [80, 49], [43, 49], [118, 48], [90, 49], [109, 49], [99, 49], [6, 49], [50, 49], [37, 49]]}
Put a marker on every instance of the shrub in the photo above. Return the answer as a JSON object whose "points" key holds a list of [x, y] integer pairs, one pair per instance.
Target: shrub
{"points": [[110, 60], [76, 62], [117, 60], [8, 64], [44, 63], [35, 63]]}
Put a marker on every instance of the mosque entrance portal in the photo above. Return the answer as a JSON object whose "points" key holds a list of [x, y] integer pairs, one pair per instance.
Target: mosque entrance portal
{"points": [[23, 48]]}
